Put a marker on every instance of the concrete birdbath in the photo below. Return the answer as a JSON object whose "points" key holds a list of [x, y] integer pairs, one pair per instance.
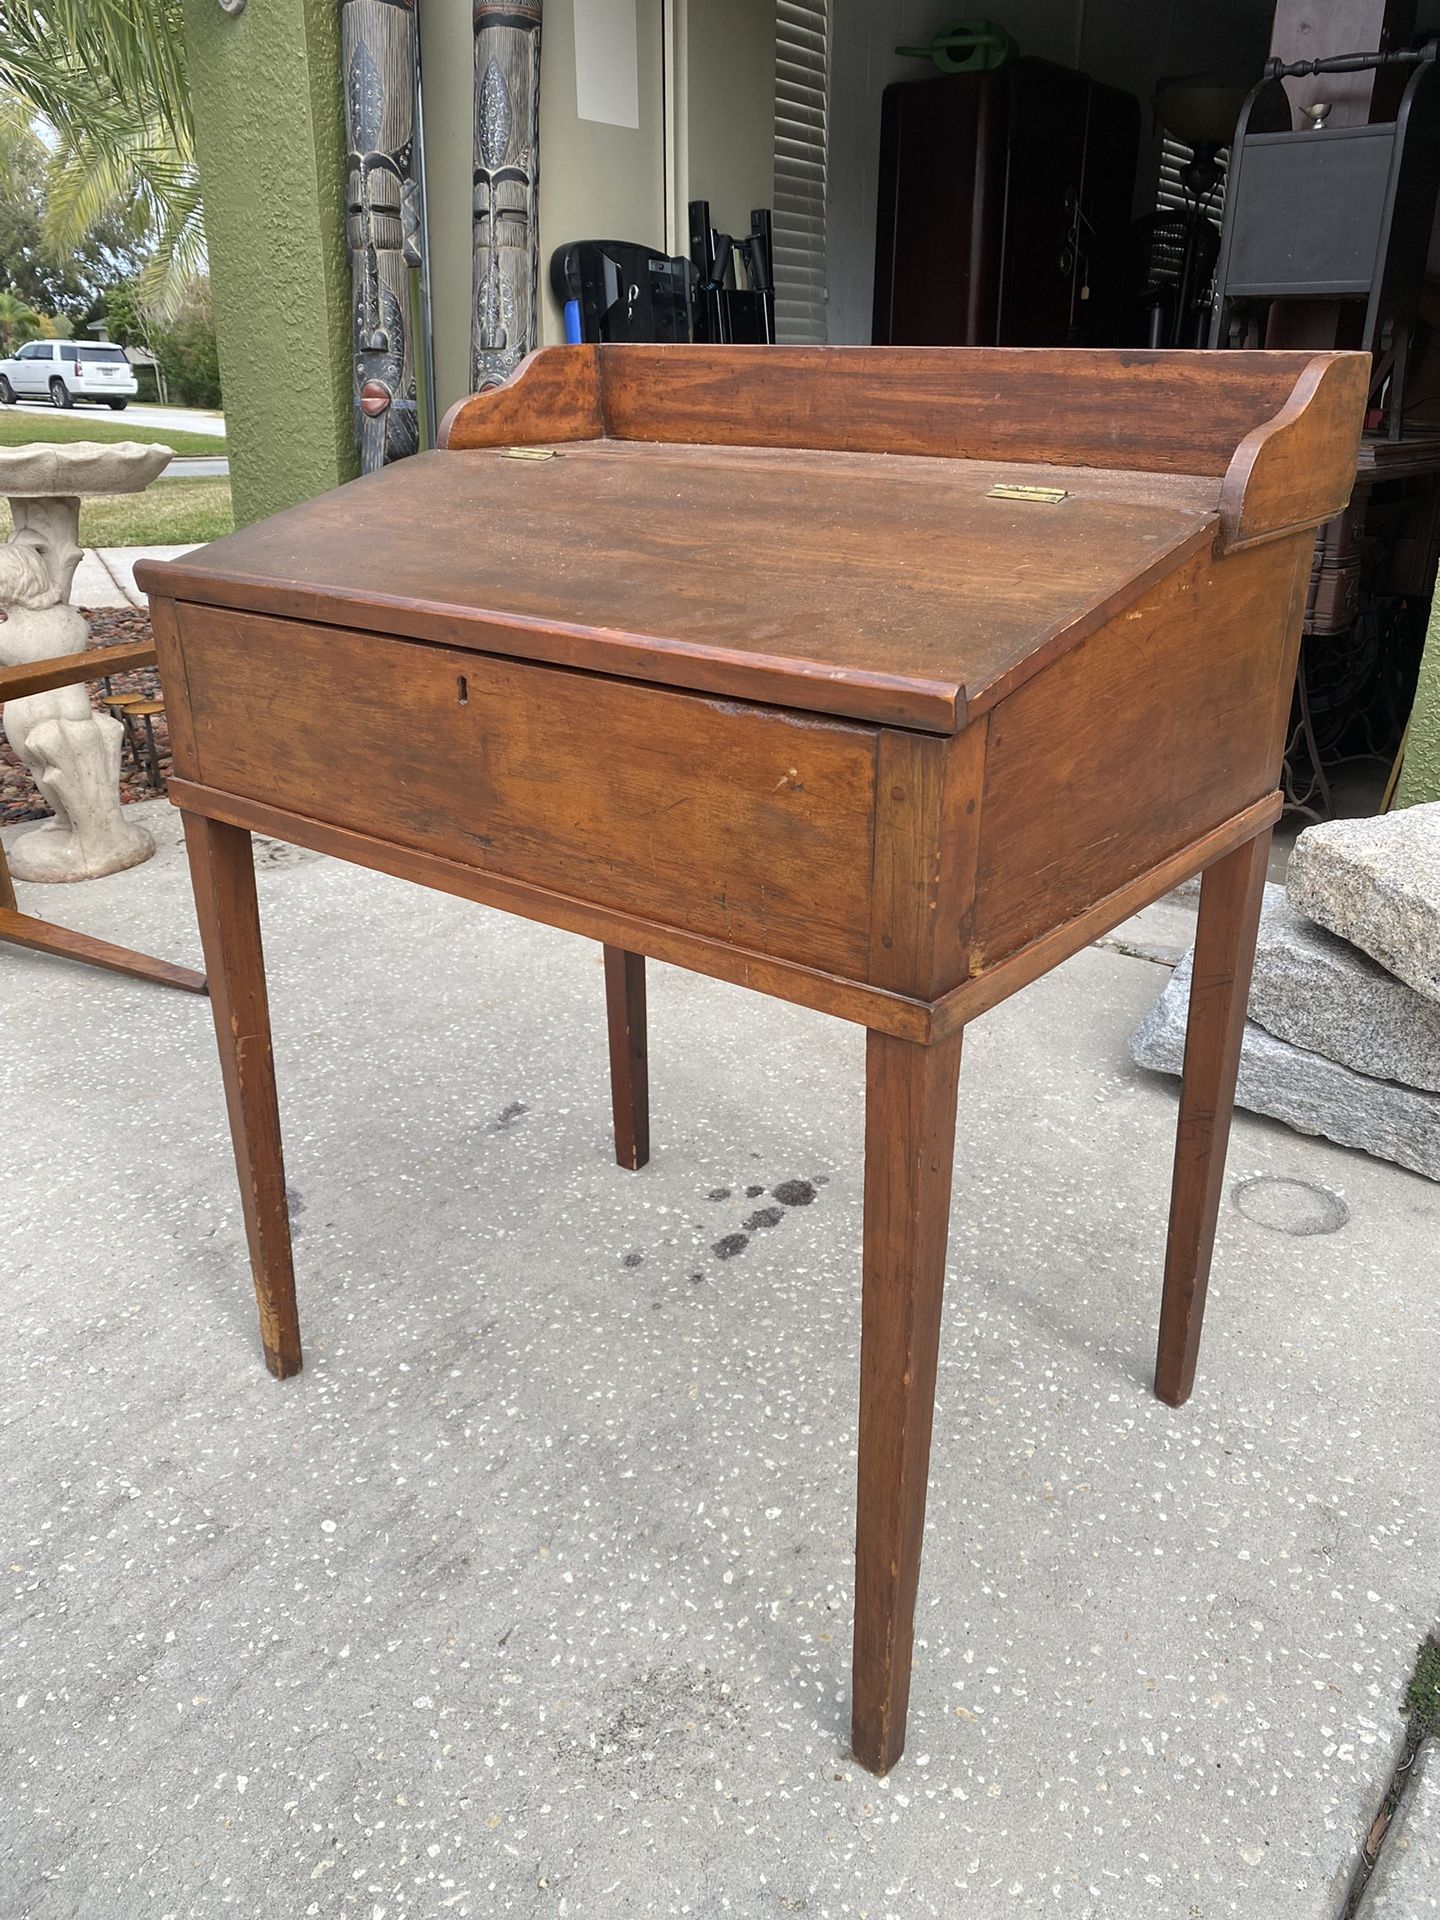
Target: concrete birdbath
{"points": [[72, 751]]}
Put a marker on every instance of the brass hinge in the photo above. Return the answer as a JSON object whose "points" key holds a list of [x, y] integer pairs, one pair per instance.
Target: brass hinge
{"points": [[1009, 490]]}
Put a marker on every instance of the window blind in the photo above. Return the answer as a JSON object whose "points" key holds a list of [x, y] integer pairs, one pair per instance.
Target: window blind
{"points": [[801, 103], [1171, 196]]}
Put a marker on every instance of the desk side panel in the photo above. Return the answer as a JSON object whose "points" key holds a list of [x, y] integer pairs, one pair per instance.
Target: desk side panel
{"points": [[739, 822], [553, 394], [1146, 736]]}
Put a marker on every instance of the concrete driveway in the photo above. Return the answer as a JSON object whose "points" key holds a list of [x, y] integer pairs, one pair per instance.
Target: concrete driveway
{"points": [[532, 1594]]}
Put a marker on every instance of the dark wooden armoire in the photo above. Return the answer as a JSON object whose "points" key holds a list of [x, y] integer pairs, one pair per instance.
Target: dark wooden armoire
{"points": [[1004, 209]]}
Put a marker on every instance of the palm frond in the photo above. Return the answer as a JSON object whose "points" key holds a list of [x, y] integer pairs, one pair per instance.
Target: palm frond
{"points": [[88, 180], [82, 189], [66, 56], [109, 76], [180, 256]]}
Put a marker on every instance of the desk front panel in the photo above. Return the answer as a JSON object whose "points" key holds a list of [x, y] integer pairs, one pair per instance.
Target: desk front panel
{"points": [[741, 822]]}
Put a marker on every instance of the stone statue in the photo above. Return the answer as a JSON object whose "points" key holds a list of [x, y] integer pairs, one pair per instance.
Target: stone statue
{"points": [[72, 751], [507, 188], [382, 220]]}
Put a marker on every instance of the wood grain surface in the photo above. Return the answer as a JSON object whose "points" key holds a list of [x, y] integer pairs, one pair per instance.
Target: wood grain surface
{"points": [[889, 591], [222, 870], [901, 1014], [1126, 407], [742, 823], [1001, 978], [18, 683], [44, 936], [629, 1056], [170, 659], [1230, 898], [1129, 408], [1157, 729], [910, 1096], [1304, 458], [553, 396], [927, 845], [759, 675]]}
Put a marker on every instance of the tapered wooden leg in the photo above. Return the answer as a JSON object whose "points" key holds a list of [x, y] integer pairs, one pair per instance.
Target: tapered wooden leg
{"points": [[910, 1096], [1230, 897], [629, 1058], [8, 902], [223, 872]]}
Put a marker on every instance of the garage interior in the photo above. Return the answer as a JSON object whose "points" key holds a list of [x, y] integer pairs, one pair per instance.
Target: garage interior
{"points": [[1055, 173]]}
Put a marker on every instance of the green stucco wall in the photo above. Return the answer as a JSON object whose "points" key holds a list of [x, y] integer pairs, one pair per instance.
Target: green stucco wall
{"points": [[270, 136], [1420, 779]]}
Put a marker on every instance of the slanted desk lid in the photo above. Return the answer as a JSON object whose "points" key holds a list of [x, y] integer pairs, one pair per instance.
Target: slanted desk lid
{"points": [[901, 590], [688, 532]]}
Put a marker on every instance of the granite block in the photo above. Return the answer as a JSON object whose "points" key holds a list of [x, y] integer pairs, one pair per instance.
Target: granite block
{"points": [[1317, 991], [1377, 884], [1304, 1089]]}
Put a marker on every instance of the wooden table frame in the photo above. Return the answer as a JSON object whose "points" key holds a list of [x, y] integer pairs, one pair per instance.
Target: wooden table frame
{"points": [[44, 936], [922, 791]]}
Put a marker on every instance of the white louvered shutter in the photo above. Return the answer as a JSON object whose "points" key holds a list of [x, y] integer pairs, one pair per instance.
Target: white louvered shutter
{"points": [[801, 98]]}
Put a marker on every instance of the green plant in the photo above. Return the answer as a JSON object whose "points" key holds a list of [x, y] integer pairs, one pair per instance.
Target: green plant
{"points": [[18, 323], [65, 282], [126, 320], [109, 76], [167, 513], [19, 429], [186, 350], [130, 324], [1422, 1696]]}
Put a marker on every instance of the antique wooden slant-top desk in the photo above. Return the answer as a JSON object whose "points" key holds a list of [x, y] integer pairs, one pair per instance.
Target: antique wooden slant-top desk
{"points": [[881, 680]]}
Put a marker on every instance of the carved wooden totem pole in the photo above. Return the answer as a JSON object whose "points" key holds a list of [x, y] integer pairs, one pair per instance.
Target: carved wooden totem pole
{"points": [[507, 186], [382, 207]]}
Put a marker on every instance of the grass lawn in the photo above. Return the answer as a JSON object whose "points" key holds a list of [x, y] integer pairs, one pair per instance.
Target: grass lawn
{"points": [[168, 513], [96, 423]]}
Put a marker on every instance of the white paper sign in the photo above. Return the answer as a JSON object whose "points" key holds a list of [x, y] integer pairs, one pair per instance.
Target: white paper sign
{"points": [[607, 62]]}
